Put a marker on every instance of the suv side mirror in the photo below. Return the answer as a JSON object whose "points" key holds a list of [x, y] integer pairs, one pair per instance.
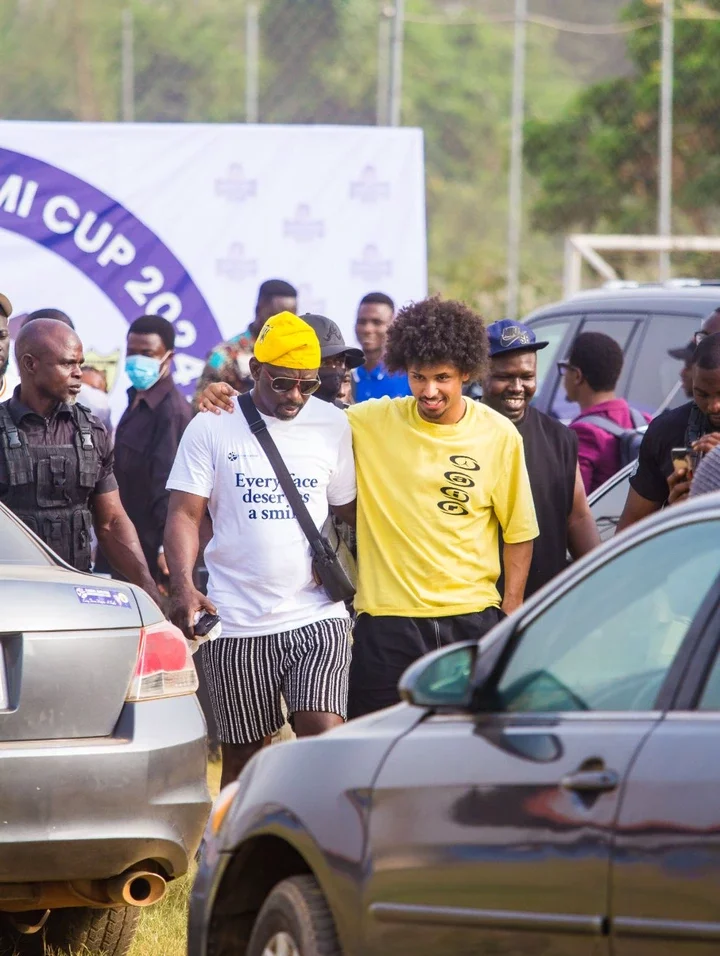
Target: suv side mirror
{"points": [[442, 678]]}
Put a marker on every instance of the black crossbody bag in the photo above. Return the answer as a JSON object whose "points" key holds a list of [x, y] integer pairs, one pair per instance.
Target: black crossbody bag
{"points": [[326, 566]]}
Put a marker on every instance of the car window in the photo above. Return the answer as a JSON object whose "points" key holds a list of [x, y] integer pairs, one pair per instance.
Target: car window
{"points": [[607, 644], [553, 332], [620, 329], [16, 545], [710, 699], [656, 373], [607, 508]]}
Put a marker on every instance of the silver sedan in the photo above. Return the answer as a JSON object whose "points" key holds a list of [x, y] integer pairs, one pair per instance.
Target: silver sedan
{"points": [[103, 792]]}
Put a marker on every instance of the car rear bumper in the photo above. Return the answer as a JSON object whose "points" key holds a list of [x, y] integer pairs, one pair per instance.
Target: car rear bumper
{"points": [[92, 808]]}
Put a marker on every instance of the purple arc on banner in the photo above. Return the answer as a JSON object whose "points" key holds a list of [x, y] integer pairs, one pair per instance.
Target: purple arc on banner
{"points": [[93, 232]]}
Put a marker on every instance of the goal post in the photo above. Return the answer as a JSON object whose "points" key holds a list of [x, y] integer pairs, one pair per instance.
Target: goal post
{"points": [[581, 248]]}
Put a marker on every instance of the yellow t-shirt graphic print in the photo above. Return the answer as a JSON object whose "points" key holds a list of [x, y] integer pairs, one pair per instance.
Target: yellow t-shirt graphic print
{"points": [[431, 499]]}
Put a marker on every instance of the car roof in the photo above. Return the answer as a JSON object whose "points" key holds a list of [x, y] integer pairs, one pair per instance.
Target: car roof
{"points": [[700, 300]]}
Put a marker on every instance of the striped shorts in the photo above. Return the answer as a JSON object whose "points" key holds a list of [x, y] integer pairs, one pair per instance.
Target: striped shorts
{"points": [[246, 676]]}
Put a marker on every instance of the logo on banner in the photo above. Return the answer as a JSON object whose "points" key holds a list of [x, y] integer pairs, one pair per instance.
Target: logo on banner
{"points": [[114, 249], [235, 186], [308, 301], [371, 266], [303, 228], [107, 363], [236, 265], [368, 188]]}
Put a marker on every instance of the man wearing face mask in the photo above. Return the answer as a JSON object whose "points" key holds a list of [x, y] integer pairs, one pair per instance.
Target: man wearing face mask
{"points": [[149, 433]]}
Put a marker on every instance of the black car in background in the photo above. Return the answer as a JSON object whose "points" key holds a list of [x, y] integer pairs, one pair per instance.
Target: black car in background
{"points": [[646, 321], [550, 790]]}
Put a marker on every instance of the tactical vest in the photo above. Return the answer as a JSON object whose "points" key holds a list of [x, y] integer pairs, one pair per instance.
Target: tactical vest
{"points": [[50, 486]]}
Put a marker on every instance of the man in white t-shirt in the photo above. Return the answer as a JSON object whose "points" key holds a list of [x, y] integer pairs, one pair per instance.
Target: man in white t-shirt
{"points": [[281, 633]]}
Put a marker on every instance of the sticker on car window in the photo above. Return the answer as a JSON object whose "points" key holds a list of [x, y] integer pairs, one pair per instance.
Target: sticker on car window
{"points": [[109, 597]]}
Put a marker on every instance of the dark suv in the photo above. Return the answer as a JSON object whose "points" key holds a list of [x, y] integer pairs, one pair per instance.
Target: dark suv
{"points": [[645, 320]]}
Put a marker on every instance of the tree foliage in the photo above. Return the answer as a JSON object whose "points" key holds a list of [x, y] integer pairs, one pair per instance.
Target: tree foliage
{"points": [[319, 62], [597, 165]]}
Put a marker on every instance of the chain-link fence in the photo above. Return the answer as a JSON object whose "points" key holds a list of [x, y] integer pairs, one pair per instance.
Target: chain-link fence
{"points": [[589, 109]]}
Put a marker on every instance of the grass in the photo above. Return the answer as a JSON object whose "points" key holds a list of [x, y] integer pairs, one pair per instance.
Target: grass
{"points": [[163, 928]]}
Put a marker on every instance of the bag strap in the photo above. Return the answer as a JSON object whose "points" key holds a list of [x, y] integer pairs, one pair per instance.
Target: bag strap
{"points": [[604, 424], [638, 419], [260, 431]]}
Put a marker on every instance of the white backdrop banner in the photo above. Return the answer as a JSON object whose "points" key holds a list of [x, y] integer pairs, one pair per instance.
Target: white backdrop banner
{"points": [[111, 221]]}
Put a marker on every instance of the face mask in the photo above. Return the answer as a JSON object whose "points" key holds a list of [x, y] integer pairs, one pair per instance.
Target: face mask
{"points": [[143, 371]]}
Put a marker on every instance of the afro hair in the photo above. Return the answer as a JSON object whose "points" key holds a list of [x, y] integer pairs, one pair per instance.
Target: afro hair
{"points": [[437, 331]]}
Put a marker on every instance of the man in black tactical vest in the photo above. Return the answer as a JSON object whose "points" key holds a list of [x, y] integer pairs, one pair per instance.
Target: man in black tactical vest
{"points": [[56, 459]]}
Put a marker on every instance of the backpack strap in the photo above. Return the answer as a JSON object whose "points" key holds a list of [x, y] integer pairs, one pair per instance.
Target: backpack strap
{"points": [[638, 419], [604, 424]]}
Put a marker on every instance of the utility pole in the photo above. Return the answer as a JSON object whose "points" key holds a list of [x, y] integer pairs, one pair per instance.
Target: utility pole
{"points": [[397, 37], [666, 134], [516, 160], [128, 66], [252, 61]]}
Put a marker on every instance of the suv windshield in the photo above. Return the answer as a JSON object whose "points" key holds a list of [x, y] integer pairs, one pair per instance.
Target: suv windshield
{"points": [[16, 545]]}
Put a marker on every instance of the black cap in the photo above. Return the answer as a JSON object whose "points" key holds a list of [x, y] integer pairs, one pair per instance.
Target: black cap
{"points": [[683, 354], [332, 341]]}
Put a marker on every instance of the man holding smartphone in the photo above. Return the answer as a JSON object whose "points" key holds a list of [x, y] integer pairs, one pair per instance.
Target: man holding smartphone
{"points": [[695, 425], [281, 633]]}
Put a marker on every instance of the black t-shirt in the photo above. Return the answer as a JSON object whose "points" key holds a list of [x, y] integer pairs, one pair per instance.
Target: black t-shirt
{"points": [[551, 454], [654, 465]]}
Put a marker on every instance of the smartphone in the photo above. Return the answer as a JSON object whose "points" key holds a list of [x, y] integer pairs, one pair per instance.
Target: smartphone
{"points": [[206, 624], [683, 460]]}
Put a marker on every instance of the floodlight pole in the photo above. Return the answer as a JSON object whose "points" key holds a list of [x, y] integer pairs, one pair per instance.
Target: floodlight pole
{"points": [[252, 61], [397, 37], [516, 161], [383, 56], [666, 135], [128, 66]]}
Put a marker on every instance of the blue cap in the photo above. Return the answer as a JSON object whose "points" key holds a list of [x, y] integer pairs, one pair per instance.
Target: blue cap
{"points": [[508, 336]]}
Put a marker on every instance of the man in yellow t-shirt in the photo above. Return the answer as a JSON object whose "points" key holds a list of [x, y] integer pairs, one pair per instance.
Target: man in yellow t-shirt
{"points": [[438, 476]]}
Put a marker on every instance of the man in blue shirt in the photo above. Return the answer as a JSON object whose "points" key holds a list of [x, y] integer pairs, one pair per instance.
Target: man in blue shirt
{"points": [[372, 380]]}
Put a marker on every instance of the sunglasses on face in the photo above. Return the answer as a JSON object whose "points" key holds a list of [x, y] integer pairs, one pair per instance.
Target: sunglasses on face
{"points": [[563, 367], [699, 336], [282, 384]]}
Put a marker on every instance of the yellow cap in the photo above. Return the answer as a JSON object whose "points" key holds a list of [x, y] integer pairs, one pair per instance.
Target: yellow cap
{"points": [[287, 341]]}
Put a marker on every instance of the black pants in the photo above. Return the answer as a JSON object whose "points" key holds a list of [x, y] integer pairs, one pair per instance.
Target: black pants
{"points": [[384, 647]]}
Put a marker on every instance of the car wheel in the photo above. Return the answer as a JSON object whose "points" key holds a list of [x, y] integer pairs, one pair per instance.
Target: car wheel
{"points": [[295, 920], [93, 932]]}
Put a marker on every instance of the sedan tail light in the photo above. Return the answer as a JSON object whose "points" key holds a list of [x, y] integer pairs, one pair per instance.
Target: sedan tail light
{"points": [[164, 665]]}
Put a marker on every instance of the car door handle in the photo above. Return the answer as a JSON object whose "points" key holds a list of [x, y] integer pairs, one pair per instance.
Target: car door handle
{"points": [[590, 781]]}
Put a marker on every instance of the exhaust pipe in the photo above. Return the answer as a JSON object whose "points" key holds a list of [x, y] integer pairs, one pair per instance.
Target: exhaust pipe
{"points": [[134, 887]]}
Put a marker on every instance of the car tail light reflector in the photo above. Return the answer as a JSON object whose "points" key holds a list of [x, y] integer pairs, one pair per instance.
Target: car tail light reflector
{"points": [[164, 665]]}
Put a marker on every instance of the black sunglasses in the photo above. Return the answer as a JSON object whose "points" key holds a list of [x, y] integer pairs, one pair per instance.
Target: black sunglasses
{"points": [[282, 384]]}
